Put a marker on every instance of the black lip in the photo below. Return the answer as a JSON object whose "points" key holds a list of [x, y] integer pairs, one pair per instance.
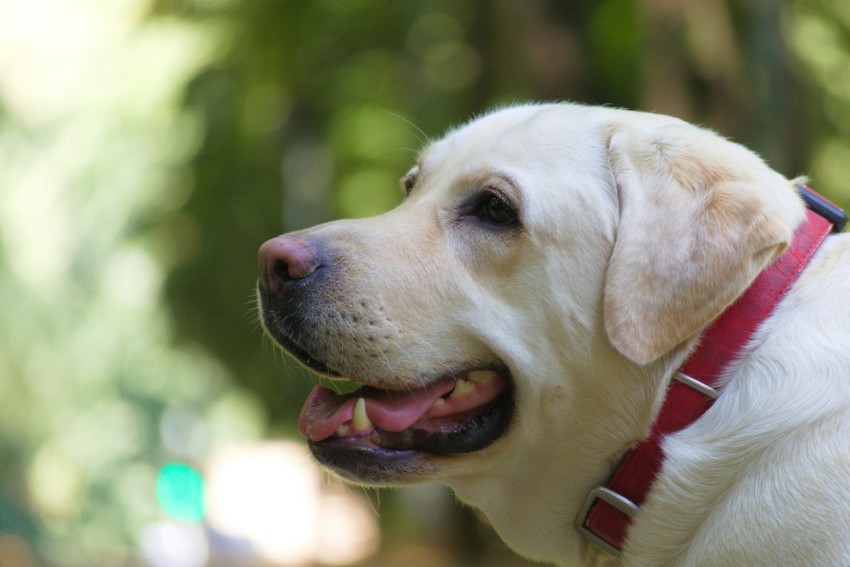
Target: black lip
{"points": [[366, 463], [275, 327], [472, 434], [301, 355], [383, 456]]}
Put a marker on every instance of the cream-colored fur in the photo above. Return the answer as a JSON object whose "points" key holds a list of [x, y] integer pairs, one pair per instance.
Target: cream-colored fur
{"points": [[636, 230]]}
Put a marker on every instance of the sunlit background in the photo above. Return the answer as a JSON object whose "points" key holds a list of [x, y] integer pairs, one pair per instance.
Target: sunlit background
{"points": [[147, 147]]}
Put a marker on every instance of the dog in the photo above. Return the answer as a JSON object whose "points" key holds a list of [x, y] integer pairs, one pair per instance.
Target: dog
{"points": [[516, 321]]}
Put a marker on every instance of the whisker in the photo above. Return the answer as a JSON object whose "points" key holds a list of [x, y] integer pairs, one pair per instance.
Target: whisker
{"points": [[423, 138]]}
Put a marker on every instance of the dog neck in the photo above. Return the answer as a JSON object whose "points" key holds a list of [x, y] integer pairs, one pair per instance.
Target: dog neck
{"points": [[608, 512]]}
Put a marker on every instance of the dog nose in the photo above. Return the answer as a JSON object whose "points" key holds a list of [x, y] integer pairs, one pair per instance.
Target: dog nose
{"points": [[285, 259]]}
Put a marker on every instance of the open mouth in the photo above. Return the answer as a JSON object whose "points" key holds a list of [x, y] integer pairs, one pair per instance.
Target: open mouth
{"points": [[375, 434], [371, 429]]}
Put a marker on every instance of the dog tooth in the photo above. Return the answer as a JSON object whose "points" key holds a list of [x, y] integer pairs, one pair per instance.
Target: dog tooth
{"points": [[360, 421], [439, 402], [343, 430], [462, 387], [482, 376]]}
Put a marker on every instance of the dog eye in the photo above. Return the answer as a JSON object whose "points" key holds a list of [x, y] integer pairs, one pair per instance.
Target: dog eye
{"points": [[495, 210], [409, 180]]}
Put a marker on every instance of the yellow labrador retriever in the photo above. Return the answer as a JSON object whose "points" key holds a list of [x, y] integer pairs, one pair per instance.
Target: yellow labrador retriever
{"points": [[516, 323]]}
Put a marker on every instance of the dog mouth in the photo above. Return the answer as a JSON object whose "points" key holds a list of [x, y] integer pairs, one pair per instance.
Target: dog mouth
{"points": [[374, 434], [377, 435]]}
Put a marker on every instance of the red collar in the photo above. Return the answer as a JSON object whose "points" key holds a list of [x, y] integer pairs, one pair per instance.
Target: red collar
{"points": [[608, 511]]}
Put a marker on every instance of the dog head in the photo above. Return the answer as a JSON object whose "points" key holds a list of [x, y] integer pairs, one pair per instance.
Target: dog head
{"points": [[512, 321]]}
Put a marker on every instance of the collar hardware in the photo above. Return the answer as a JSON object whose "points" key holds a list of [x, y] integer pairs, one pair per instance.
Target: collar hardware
{"points": [[700, 387], [618, 501], [824, 207]]}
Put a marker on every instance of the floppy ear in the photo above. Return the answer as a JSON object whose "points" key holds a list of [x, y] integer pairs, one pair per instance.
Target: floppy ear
{"points": [[700, 217]]}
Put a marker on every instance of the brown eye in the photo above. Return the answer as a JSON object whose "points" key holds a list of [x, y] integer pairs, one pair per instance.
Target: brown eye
{"points": [[496, 210], [409, 180]]}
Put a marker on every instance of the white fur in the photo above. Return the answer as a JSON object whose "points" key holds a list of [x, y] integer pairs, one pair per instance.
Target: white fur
{"points": [[637, 230]]}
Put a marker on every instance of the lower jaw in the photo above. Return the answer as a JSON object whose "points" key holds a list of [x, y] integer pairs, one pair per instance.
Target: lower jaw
{"points": [[370, 464]]}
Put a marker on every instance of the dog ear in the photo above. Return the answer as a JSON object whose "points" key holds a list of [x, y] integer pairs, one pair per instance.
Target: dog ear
{"points": [[700, 217]]}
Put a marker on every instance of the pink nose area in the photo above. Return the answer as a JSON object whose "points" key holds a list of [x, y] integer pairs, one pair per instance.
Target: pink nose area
{"points": [[285, 259]]}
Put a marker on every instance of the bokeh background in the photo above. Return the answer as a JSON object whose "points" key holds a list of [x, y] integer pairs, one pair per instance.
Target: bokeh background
{"points": [[147, 147]]}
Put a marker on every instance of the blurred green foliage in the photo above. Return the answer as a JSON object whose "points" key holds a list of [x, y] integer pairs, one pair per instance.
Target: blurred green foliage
{"points": [[147, 147]]}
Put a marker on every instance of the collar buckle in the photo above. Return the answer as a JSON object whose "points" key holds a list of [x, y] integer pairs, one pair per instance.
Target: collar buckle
{"points": [[618, 501]]}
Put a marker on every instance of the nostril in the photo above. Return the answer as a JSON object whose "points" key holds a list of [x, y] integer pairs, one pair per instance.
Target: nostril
{"points": [[285, 259], [281, 271]]}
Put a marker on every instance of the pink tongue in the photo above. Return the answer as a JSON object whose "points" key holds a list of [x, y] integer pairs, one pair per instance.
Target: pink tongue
{"points": [[324, 411]]}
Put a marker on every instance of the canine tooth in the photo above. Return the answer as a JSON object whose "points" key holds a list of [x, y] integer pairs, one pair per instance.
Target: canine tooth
{"points": [[360, 421], [462, 387], [481, 376]]}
